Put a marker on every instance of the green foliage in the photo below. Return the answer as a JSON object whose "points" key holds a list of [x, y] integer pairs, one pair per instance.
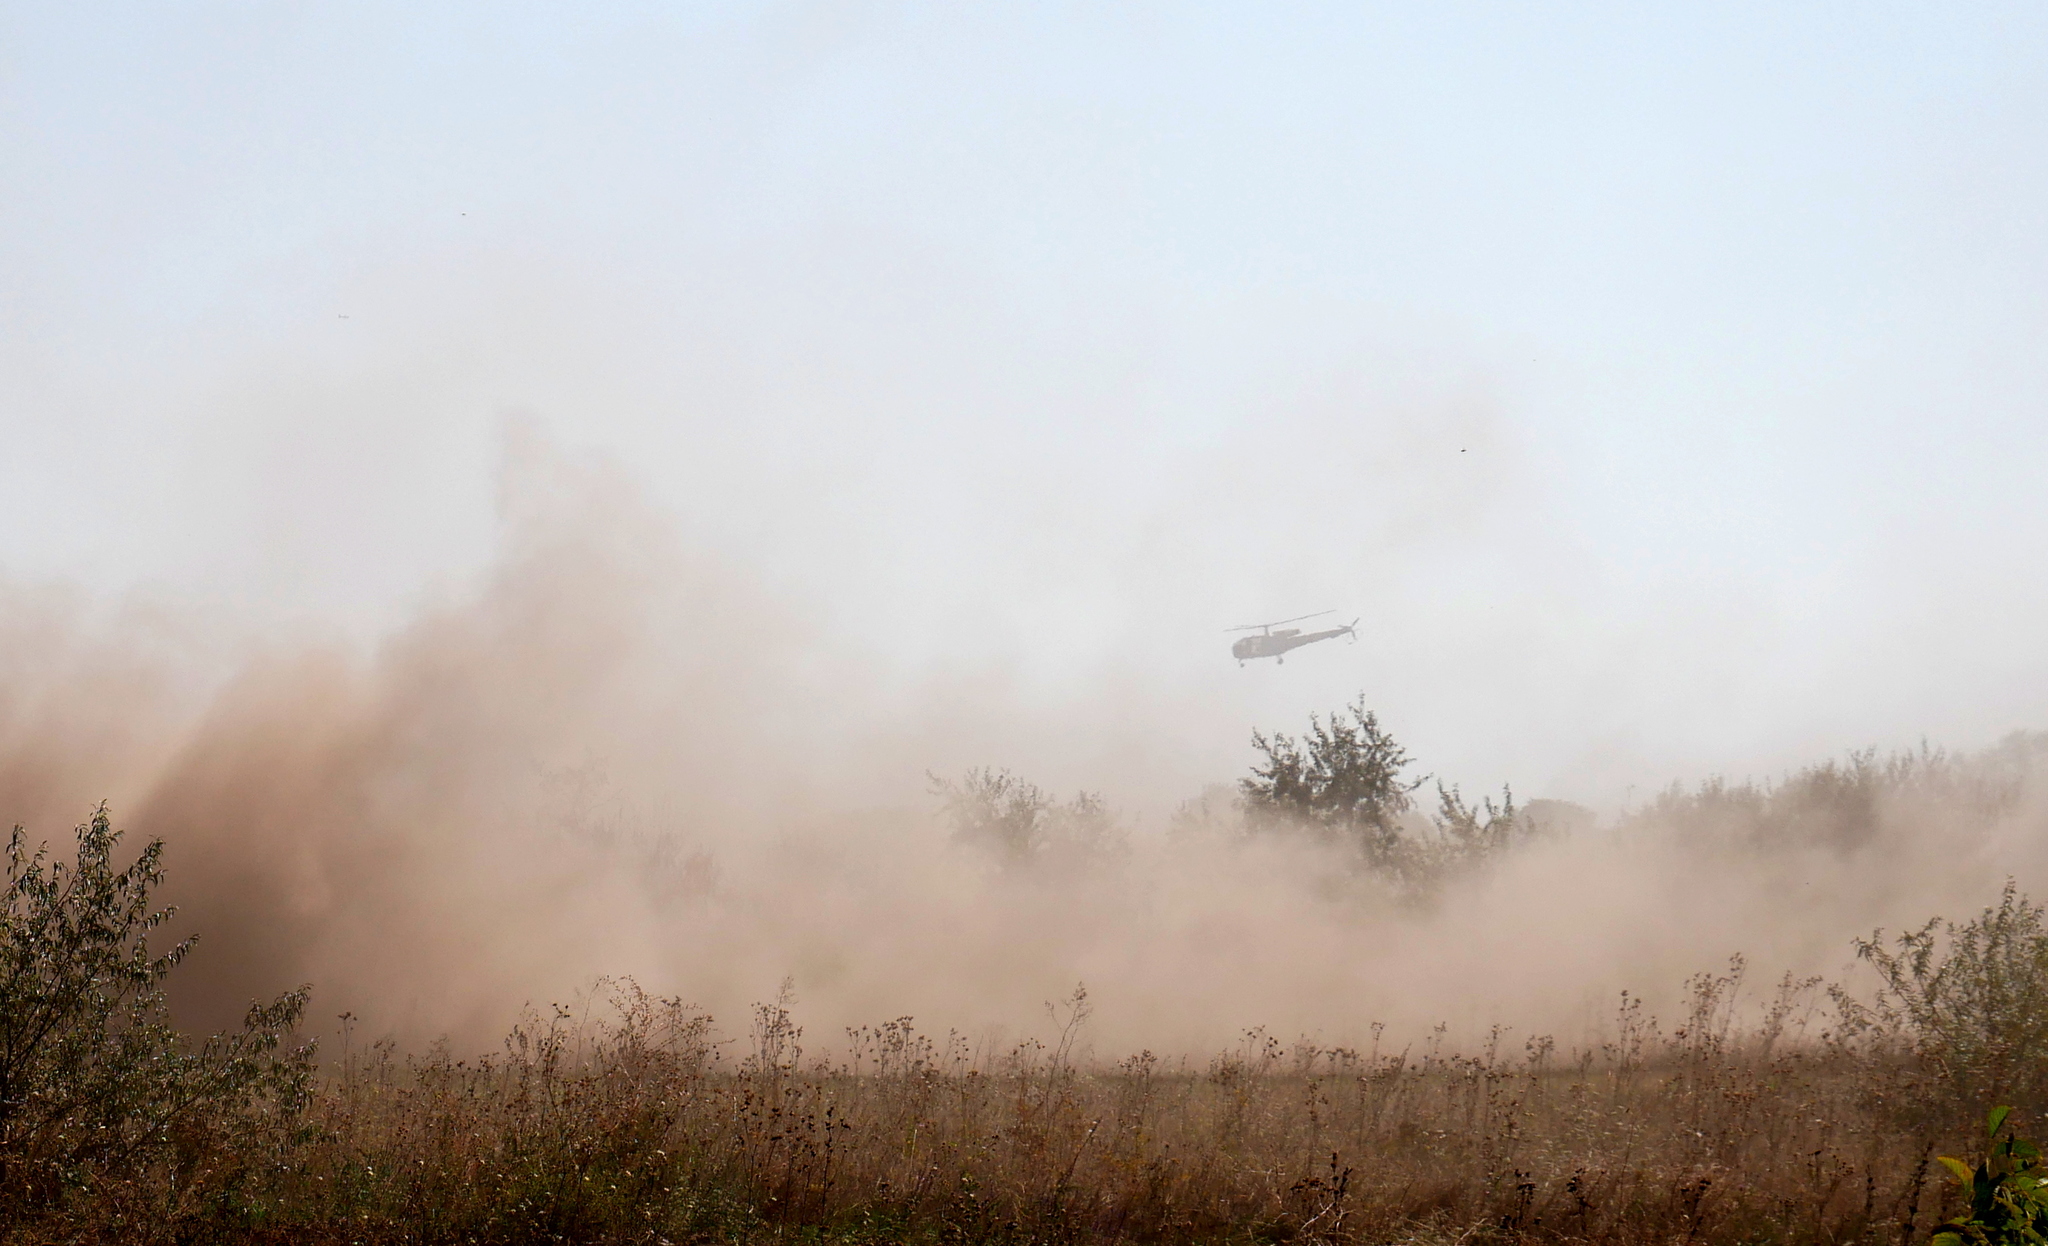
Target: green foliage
{"points": [[2007, 1193], [93, 1077], [1970, 999]]}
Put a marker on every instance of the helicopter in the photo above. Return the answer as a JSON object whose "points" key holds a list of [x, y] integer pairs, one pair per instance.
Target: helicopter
{"points": [[1271, 644]]}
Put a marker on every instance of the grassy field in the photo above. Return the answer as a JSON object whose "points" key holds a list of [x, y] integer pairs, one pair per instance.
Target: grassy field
{"points": [[635, 1128], [1803, 1114]]}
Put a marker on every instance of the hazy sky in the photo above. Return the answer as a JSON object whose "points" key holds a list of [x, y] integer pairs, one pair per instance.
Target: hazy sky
{"points": [[1665, 386]]}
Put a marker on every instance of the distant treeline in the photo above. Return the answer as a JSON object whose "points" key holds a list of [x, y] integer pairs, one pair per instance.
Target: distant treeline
{"points": [[1347, 783]]}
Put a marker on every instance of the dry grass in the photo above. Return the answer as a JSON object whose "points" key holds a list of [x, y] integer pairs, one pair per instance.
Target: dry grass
{"points": [[1811, 1120], [637, 1128]]}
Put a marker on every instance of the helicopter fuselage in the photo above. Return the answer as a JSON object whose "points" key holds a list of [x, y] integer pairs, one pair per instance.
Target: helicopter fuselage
{"points": [[1273, 644]]}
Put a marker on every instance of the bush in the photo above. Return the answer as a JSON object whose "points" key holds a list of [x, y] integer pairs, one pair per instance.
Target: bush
{"points": [[1971, 1000], [1019, 821], [1856, 804], [94, 1079], [1343, 782]]}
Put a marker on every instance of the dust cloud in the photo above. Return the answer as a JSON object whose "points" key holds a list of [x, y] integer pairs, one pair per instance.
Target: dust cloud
{"points": [[617, 755]]}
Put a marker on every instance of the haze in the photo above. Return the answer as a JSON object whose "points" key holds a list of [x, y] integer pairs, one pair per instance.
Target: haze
{"points": [[764, 405]]}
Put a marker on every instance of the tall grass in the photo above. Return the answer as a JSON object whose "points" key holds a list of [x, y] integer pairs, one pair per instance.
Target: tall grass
{"points": [[1813, 1116], [638, 1122]]}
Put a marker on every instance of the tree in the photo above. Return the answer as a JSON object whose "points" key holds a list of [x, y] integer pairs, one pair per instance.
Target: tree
{"points": [[1343, 780], [92, 1073], [1344, 783]]}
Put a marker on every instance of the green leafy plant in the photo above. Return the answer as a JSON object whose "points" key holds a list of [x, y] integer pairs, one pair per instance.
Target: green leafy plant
{"points": [[93, 1076], [2007, 1192], [1969, 998]]}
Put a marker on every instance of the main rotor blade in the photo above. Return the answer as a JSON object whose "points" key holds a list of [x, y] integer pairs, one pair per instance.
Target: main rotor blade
{"points": [[1277, 622]]}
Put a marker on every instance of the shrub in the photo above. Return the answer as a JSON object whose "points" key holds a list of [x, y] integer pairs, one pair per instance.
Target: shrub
{"points": [[1971, 1000], [93, 1077], [1467, 834], [1854, 805], [1344, 783], [1019, 821]]}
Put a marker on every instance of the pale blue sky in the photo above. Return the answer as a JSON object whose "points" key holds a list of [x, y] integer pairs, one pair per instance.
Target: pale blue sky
{"points": [[1667, 385]]}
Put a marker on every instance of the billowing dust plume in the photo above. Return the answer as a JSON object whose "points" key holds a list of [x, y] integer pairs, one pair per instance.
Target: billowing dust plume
{"points": [[615, 757]]}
